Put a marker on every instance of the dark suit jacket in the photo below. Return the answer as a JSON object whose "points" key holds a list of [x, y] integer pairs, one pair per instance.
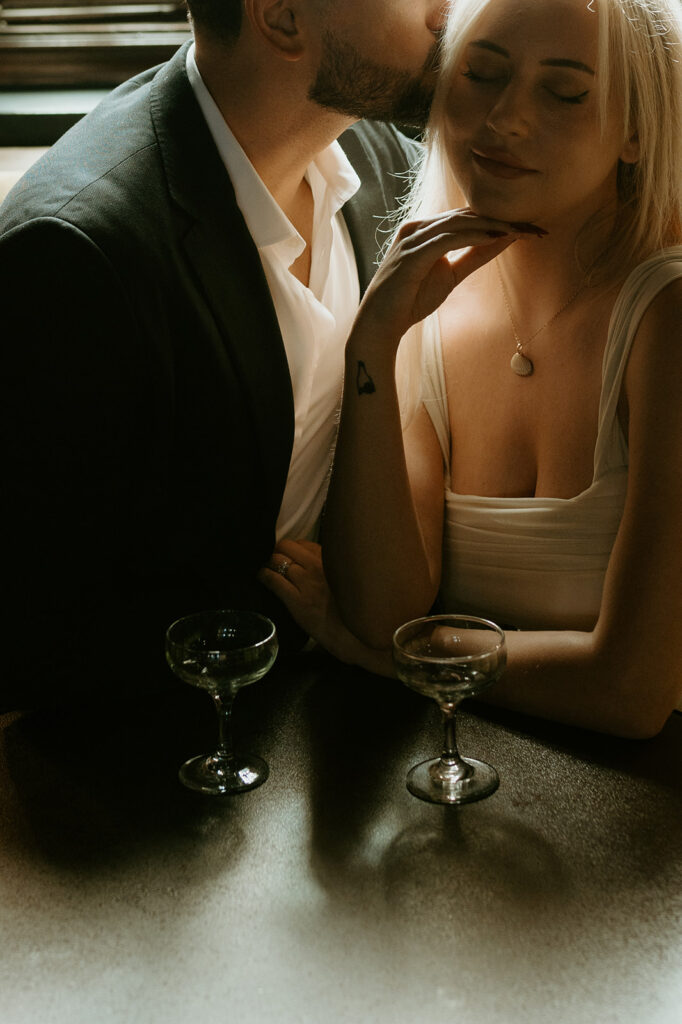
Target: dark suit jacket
{"points": [[147, 407]]}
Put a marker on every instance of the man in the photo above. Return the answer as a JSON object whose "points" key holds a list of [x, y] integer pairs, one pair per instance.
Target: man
{"points": [[177, 283]]}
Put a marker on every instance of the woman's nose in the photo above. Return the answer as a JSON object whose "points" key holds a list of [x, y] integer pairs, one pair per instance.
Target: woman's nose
{"points": [[511, 113]]}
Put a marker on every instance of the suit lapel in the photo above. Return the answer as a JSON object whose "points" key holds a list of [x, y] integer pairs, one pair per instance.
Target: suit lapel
{"points": [[226, 261], [228, 268], [381, 162], [360, 211]]}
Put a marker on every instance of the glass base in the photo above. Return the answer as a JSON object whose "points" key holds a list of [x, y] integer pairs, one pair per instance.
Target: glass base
{"points": [[214, 775], [424, 781]]}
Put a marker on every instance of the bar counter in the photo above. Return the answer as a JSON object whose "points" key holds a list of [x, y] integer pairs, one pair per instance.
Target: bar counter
{"points": [[330, 894]]}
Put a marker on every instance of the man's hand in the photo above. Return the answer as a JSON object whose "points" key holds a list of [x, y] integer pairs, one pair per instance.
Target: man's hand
{"points": [[296, 576]]}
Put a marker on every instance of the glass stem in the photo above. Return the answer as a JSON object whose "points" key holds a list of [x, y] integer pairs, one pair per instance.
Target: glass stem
{"points": [[451, 764], [223, 705]]}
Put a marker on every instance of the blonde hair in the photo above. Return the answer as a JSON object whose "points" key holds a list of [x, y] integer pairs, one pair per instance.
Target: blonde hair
{"points": [[640, 58]]}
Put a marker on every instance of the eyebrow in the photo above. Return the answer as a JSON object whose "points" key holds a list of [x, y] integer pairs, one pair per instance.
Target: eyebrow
{"points": [[560, 62], [554, 62]]}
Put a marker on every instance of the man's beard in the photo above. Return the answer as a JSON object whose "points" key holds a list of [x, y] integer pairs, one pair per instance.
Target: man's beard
{"points": [[358, 87]]}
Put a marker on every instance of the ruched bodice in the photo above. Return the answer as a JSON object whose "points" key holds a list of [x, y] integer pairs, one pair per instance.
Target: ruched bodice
{"points": [[540, 562]]}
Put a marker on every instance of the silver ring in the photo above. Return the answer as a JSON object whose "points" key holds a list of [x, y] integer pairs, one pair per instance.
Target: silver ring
{"points": [[283, 568]]}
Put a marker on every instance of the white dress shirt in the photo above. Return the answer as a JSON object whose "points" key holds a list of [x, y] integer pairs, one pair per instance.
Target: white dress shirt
{"points": [[315, 320]]}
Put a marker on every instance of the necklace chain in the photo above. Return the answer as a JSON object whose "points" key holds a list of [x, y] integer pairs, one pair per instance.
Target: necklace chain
{"points": [[520, 362]]}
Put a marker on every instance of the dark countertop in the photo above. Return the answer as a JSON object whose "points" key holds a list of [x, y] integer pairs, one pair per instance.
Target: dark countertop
{"points": [[330, 894]]}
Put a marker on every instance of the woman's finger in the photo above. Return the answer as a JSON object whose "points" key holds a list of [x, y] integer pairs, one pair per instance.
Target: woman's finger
{"points": [[408, 269], [466, 224], [461, 215], [464, 263]]}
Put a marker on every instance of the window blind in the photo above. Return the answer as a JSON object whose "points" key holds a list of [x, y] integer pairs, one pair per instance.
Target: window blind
{"points": [[97, 43]]}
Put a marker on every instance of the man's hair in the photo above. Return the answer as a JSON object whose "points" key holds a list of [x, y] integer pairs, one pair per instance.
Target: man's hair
{"points": [[640, 56], [223, 18], [220, 18]]}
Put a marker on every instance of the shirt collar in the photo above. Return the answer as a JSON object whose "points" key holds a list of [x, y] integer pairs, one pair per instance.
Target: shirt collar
{"points": [[330, 173]]}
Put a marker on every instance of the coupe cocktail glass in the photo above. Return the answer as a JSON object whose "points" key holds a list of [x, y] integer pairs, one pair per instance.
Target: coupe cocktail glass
{"points": [[221, 651], [448, 658]]}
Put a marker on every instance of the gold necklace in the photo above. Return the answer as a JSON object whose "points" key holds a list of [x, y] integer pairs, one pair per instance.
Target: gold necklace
{"points": [[520, 363]]}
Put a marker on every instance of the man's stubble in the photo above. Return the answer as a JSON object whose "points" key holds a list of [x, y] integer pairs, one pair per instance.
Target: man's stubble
{"points": [[357, 86]]}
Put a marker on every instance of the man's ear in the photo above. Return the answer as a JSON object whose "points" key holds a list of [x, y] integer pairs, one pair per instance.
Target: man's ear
{"points": [[278, 23], [630, 152]]}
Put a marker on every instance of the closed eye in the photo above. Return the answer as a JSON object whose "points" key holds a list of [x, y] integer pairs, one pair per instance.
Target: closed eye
{"points": [[473, 76], [496, 78], [578, 98]]}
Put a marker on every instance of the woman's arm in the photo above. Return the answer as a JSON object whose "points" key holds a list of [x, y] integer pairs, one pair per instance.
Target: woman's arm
{"points": [[626, 676], [382, 528], [295, 575]]}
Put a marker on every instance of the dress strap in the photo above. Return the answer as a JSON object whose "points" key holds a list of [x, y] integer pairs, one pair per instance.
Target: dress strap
{"points": [[638, 292]]}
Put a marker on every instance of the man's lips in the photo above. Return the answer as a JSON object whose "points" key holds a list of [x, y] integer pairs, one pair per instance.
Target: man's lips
{"points": [[501, 165]]}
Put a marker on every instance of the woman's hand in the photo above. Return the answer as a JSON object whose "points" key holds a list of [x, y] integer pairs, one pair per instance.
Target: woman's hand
{"points": [[295, 575], [426, 260]]}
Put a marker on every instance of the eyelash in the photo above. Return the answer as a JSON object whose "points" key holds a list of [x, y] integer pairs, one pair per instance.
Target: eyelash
{"points": [[473, 77], [579, 98]]}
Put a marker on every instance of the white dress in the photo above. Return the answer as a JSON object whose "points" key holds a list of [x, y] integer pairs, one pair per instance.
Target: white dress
{"points": [[540, 562]]}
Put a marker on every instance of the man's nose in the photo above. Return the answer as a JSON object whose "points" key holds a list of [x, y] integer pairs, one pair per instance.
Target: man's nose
{"points": [[437, 16]]}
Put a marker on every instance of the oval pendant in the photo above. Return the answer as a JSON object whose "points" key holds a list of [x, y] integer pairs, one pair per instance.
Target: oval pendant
{"points": [[521, 365]]}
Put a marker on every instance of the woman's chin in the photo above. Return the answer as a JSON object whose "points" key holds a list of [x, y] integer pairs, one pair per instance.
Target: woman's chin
{"points": [[509, 213], [512, 210]]}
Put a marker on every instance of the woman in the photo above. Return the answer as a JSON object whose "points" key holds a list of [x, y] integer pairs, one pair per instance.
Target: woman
{"points": [[549, 360]]}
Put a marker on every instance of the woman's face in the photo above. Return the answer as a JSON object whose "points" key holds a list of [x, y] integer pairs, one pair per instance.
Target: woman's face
{"points": [[522, 124]]}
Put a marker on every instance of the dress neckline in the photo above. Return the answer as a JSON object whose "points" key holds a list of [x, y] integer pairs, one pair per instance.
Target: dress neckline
{"points": [[629, 289]]}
